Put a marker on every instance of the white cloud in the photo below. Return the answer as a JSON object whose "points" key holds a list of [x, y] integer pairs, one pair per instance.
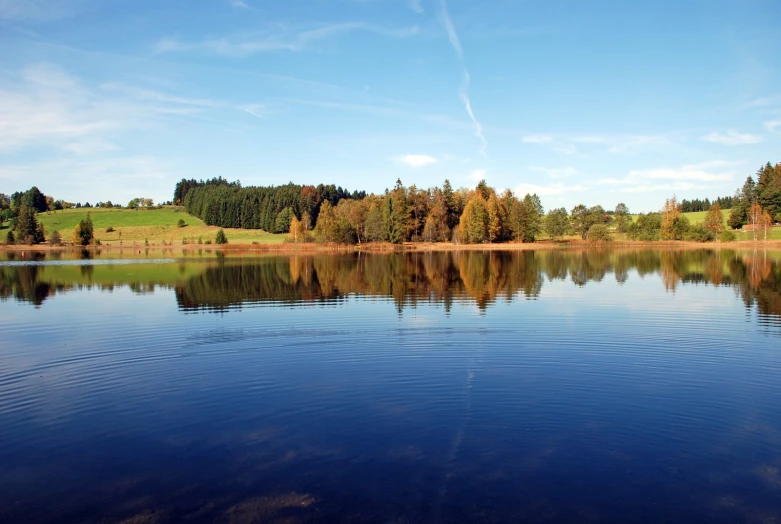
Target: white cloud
{"points": [[547, 189], [645, 188], [765, 101], [623, 144], [773, 125], [239, 4], [280, 41], [674, 179], [463, 91], [554, 172], [416, 160], [732, 138], [567, 149], [89, 147], [537, 139], [478, 174]]}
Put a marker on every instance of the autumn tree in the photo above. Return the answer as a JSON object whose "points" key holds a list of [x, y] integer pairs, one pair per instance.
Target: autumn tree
{"points": [[297, 232], [670, 213], [473, 225], [766, 222], [714, 220], [755, 218], [325, 230]]}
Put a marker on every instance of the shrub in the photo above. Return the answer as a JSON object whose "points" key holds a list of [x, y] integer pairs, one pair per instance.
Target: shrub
{"points": [[598, 233], [699, 233], [208, 242], [727, 236], [184, 241], [200, 240], [55, 239], [181, 223], [109, 229], [220, 238], [146, 242], [9, 238]]}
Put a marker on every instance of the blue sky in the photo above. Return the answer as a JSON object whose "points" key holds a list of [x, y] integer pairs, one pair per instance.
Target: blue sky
{"points": [[582, 102]]}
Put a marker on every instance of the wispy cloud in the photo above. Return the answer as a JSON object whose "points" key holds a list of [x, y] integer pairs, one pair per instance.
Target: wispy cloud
{"points": [[463, 91], [35, 9], [732, 138], [546, 189], [90, 147], [672, 178], [278, 40], [773, 125], [240, 4], [623, 144], [416, 160], [45, 106], [415, 5], [537, 139], [111, 177], [765, 101], [254, 110], [554, 172]]}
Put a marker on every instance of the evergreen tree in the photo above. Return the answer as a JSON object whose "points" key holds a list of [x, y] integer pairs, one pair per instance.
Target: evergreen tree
{"points": [[220, 238], [84, 234], [27, 230]]}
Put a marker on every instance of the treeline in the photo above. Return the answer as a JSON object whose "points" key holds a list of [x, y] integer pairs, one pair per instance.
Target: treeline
{"points": [[227, 204], [693, 206], [758, 203], [439, 214]]}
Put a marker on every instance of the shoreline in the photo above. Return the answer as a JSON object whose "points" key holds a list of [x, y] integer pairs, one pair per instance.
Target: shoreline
{"points": [[545, 245]]}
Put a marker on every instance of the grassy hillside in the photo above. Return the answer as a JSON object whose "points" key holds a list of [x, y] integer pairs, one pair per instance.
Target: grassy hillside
{"points": [[154, 225], [697, 217]]}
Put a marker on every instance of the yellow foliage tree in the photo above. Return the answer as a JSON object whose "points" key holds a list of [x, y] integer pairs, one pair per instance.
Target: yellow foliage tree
{"points": [[670, 213]]}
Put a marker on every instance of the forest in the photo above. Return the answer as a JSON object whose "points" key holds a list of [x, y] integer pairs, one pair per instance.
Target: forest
{"points": [[480, 215]]}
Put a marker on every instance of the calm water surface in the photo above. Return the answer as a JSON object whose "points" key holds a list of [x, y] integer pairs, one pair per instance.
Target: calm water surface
{"points": [[602, 386]]}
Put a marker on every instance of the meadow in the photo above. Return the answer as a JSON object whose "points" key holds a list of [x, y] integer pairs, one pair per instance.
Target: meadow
{"points": [[138, 226]]}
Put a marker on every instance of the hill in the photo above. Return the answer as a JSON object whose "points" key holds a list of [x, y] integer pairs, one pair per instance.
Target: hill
{"points": [[155, 225]]}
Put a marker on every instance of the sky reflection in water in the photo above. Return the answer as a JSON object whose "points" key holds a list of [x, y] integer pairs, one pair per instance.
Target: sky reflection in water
{"points": [[542, 386]]}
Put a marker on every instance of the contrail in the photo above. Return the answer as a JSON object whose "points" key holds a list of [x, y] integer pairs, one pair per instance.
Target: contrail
{"points": [[463, 91]]}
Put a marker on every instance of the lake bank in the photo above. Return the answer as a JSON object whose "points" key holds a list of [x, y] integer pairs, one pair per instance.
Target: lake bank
{"points": [[285, 248]]}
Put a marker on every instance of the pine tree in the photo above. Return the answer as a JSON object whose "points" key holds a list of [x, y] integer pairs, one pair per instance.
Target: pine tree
{"points": [[220, 238], [27, 230]]}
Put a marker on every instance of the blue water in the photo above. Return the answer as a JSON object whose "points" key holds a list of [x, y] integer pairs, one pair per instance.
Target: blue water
{"points": [[473, 387]]}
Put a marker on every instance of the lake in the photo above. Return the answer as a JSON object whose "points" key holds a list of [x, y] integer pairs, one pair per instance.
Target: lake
{"points": [[539, 386]]}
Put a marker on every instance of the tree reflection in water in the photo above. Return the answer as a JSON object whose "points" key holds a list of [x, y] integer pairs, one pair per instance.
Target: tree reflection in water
{"points": [[412, 278]]}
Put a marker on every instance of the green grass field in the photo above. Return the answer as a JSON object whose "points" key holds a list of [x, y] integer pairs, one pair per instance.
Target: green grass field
{"points": [[697, 217], [155, 225]]}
